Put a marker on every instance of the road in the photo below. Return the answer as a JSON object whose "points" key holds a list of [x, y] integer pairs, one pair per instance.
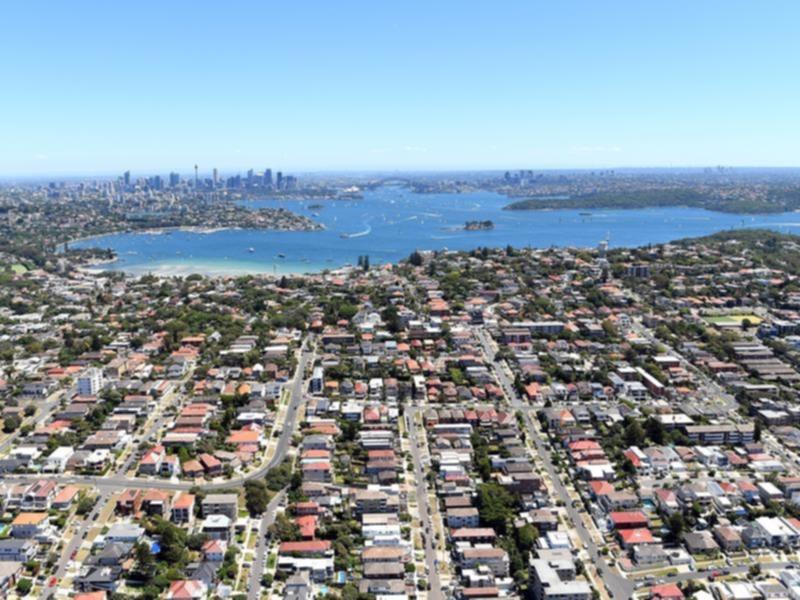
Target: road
{"points": [[118, 481], [618, 586], [257, 568], [159, 420], [435, 592], [43, 413], [737, 570], [74, 545], [726, 403]]}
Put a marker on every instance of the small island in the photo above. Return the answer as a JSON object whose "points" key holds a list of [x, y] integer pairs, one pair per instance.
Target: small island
{"points": [[478, 225]]}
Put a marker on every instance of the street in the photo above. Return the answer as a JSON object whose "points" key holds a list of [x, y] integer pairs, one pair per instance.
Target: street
{"points": [[117, 481], [257, 569], [618, 586], [435, 592]]}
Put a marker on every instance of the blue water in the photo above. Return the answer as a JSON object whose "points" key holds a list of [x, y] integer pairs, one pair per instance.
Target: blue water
{"points": [[390, 223]]}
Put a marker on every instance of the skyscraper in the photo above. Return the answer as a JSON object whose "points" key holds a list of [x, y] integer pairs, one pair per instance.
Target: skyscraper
{"points": [[126, 177], [174, 179], [196, 182], [279, 180], [267, 179], [215, 177]]}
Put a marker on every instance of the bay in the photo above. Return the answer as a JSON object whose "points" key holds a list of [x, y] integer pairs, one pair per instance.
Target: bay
{"points": [[389, 223]]}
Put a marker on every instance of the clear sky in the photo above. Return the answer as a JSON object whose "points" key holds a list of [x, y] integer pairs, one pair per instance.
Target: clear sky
{"points": [[100, 87]]}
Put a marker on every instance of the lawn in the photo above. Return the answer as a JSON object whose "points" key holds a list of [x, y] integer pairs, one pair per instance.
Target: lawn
{"points": [[733, 320]]}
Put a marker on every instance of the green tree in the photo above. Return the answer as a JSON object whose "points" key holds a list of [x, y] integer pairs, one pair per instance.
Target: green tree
{"points": [[496, 506], [255, 497], [655, 430], [285, 529], [634, 434], [172, 540], [10, 423], [24, 586], [85, 504], [526, 537], [676, 525], [144, 562]]}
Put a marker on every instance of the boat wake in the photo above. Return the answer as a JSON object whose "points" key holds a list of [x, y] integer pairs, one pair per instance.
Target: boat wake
{"points": [[358, 234]]}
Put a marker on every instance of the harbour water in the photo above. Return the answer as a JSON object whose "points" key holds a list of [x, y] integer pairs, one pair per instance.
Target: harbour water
{"points": [[389, 223]]}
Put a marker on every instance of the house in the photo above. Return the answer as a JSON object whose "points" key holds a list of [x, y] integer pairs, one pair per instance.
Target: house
{"points": [[317, 471], [170, 466], [124, 533], [308, 548], [39, 495], [383, 570], [156, 503], [646, 555], [700, 542], [628, 519], [384, 554], [555, 580], [150, 464], [17, 550], [496, 559], [213, 550], [728, 538], [218, 527], [98, 595], [187, 589], [666, 591], [221, 504], [30, 525], [182, 510], [297, 587], [192, 469], [314, 557], [64, 498], [56, 462], [211, 465], [633, 537], [99, 578], [474, 535], [777, 531], [462, 517]]}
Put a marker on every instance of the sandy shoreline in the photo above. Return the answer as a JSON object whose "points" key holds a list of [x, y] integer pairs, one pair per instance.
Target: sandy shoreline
{"points": [[154, 231], [209, 269]]}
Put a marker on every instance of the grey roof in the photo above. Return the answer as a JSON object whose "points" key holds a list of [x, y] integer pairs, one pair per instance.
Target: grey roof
{"points": [[15, 544], [297, 587]]}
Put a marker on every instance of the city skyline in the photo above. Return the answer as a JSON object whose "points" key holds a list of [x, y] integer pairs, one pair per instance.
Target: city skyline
{"points": [[95, 88]]}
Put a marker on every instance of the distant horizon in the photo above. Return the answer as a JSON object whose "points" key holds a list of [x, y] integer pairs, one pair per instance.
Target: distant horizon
{"points": [[137, 173]]}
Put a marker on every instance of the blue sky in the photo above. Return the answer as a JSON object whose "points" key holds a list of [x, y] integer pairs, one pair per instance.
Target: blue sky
{"points": [[335, 85]]}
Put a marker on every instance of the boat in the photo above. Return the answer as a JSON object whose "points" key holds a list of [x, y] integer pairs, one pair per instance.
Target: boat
{"points": [[251, 249], [358, 234], [281, 255], [585, 214]]}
